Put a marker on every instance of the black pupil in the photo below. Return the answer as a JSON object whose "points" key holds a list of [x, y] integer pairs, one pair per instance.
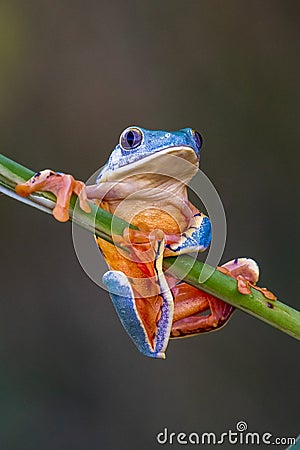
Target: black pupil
{"points": [[130, 138]]}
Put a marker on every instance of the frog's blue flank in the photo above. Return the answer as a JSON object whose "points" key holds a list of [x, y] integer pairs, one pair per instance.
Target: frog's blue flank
{"points": [[123, 299]]}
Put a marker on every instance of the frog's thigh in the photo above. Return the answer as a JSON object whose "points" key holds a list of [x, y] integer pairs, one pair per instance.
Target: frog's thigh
{"points": [[123, 298], [196, 238], [189, 303]]}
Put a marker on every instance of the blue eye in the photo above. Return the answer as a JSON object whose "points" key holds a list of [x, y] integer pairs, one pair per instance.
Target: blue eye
{"points": [[198, 139], [131, 138]]}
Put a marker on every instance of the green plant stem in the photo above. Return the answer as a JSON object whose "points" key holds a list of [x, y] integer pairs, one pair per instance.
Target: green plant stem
{"points": [[100, 222]]}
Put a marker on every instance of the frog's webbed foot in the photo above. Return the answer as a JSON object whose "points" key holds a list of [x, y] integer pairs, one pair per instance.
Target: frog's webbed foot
{"points": [[61, 185], [191, 303], [246, 272], [144, 305]]}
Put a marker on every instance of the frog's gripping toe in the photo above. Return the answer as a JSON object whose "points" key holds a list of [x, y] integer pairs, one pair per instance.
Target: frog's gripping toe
{"points": [[123, 299]]}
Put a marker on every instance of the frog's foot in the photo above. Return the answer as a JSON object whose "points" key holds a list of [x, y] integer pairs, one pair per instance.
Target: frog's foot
{"points": [[146, 318], [133, 239], [61, 185], [190, 303], [139, 245], [246, 271]]}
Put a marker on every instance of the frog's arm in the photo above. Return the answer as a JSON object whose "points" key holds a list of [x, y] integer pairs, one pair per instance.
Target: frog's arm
{"points": [[196, 238], [107, 190], [63, 186]]}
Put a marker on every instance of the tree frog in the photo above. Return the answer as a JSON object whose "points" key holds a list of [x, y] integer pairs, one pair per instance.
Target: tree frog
{"points": [[152, 306]]}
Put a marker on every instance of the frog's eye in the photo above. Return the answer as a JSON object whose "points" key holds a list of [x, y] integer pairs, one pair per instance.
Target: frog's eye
{"points": [[198, 139], [131, 138]]}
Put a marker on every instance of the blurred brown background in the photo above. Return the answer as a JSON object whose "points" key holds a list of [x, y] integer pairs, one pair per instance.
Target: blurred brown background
{"points": [[73, 75]]}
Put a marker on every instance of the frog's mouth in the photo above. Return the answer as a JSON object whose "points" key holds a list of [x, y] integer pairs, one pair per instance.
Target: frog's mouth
{"points": [[180, 163]]}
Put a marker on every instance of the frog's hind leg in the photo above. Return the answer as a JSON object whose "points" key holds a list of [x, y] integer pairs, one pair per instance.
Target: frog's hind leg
{"points": [[189, 317], [191, 303], [147, 320]]}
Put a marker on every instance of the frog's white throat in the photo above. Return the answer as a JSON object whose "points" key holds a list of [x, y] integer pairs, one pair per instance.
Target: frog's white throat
{"points": [[180, 163]]}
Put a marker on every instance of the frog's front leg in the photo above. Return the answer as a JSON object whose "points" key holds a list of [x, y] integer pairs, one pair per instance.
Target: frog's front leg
{"points": [[190, 302], [145, 306], [196, 238], [63, 186]]}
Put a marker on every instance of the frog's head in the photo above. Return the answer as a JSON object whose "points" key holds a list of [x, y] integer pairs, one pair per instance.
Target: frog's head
{"points": [[148, 151]]}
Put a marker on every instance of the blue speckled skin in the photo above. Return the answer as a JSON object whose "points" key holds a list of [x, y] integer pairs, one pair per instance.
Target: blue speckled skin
{"points": [[195, 238], [153, 142], [202, 235], [123, 299]]}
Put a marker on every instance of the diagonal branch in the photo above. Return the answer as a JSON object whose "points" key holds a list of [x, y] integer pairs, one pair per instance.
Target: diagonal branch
{"points": [[99, 222]]}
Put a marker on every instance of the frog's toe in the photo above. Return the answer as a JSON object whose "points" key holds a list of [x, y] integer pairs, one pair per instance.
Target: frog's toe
{"points": [[245, 267], [124, 302]]}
